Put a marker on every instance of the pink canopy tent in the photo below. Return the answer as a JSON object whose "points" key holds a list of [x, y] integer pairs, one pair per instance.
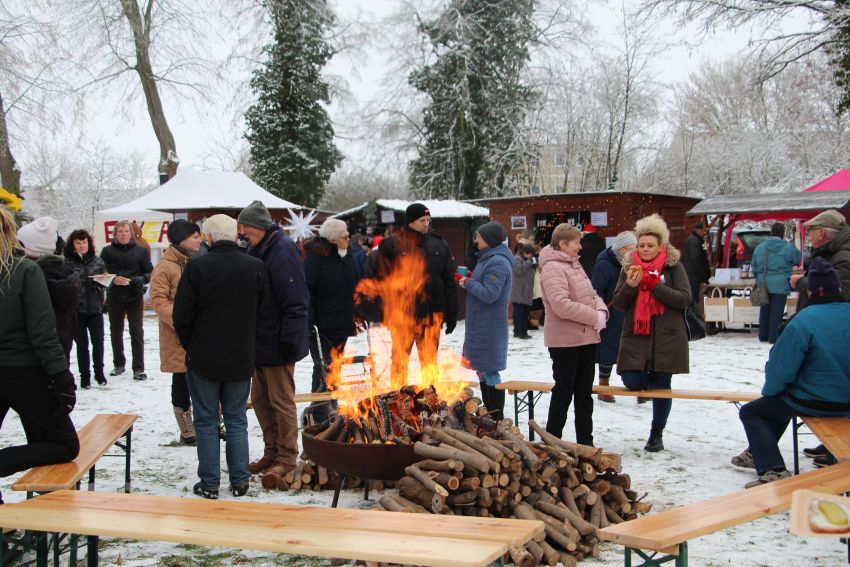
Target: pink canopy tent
{"points": [[778, 206]]}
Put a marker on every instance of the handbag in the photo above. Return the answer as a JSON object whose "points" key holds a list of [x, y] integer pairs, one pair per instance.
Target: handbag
{"points": [[759, 296], [694, 323]]}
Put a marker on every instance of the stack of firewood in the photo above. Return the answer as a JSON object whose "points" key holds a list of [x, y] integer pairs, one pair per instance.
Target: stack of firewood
{"points": [[574, 489]]}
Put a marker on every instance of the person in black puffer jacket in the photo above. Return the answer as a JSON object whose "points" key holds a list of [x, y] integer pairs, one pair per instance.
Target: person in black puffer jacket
{"points": [[39, 240], [132, 267], [331, 274], [80, 256], [34, 377]]}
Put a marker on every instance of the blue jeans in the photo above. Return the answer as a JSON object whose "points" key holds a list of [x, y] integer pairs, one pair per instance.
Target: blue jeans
{"points": [[634, 380], [765, 421], [233, 397], [770, 316]]}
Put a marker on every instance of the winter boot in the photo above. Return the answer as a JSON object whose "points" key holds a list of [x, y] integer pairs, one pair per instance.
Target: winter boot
{"points": [[603, 381], [184, 423], [99, 377], [654, 443], [85, 381]]}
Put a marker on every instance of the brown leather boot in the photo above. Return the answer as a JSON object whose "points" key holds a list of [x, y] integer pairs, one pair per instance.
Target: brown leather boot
{"points": [[260, 465], [605, 397]]}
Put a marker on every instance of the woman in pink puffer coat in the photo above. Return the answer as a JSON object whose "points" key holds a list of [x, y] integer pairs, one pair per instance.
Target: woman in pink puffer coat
{"points": [[574, 317]]}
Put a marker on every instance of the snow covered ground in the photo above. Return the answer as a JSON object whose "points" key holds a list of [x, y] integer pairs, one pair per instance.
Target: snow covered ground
{"points": [[700, 439]]}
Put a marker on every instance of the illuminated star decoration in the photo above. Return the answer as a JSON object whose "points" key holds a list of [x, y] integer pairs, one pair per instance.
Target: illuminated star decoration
{"points": [[299, 225]]}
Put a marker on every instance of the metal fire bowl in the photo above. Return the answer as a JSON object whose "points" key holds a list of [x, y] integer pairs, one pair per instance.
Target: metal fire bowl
{"points": [[366, 460]]}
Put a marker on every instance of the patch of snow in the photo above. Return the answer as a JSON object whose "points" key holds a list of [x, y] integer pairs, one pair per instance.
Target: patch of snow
{"points": [[440, 209]]}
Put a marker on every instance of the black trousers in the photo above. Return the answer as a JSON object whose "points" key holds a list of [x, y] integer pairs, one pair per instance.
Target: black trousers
{"points": [[89, 325], [494, 400], [50, 440], [180, 391], [134, 311], [320, 411], [573, 370], [522, 312]]}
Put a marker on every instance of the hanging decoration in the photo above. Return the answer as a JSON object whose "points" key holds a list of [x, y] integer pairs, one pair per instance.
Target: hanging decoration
{"points": [[299, 226]]}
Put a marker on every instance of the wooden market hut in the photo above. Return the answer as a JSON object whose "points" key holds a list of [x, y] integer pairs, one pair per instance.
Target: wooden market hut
{"points": [[611, 212]]}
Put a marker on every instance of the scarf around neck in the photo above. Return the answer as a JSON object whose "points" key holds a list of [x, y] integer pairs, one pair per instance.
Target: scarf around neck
{"points": [[647, 305]]}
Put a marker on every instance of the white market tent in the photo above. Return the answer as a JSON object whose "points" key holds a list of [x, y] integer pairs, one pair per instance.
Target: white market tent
{"points": [[440, 209], [189, 190]]}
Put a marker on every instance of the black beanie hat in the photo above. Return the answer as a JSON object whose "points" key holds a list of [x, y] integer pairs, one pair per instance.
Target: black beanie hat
{"points": [[180, 230], [493, 233], [823, 279], [415, 212]]}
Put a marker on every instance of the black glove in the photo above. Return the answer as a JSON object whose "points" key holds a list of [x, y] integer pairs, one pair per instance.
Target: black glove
{"points": [[451, 323], [62, 387]]}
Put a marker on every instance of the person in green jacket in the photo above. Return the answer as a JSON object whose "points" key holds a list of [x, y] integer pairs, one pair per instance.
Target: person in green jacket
{"points": [[34, 376]]}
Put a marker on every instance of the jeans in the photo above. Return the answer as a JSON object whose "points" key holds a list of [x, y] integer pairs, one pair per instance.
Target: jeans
{"points": [[573, 369], [765, 421], [695, 298], [134, 311], [770, 317], [634, 380], [180, 391], [233, 397], [521, 314], [89, 325], [50, 439]]}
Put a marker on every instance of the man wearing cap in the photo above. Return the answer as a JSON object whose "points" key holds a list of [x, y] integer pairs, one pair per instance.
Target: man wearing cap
{"points": [[592, 246], [215, 317], [281, 339], [438, 303], [132, 267], [806, 374], [830, 238], [185, 239]]}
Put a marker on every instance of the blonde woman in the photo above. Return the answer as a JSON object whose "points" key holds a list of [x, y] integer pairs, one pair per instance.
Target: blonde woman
{"points": [[654, 291], [574, 317], [34, 376]]}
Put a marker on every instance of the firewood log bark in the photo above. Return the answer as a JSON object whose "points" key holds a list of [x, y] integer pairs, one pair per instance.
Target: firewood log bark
{"points": [[588, 471], [449, 481], [610, 461], [613, 516], [475, 461], [521, 557], [550, 554], [391, 504], [567, 560], [471, 483], [410, 504], [462, 498], [617, 495], [426, 480], [322, 475], [535, 550], [476, 443], [531, 460], [556, 531], [449, 465], [592, 454], [565, 514], [414, 490], [333, 429], [568, 499]]}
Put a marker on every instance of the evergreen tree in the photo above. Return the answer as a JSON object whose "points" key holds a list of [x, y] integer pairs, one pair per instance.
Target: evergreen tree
{"points": [[289, 131], [473, 141], [839, 51]]}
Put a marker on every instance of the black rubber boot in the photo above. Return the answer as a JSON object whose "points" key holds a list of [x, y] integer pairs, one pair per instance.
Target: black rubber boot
{"points": [[654, 443]]}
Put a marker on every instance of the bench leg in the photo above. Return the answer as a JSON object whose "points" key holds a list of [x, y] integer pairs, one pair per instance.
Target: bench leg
{"points": [[654, 559], [127, 453], [795, 443], [91, 479], [91, 547], [336, 491], [530, 402]]}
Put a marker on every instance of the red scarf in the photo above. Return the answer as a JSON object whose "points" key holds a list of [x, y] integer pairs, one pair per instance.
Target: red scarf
{"points": [[647, 305]]}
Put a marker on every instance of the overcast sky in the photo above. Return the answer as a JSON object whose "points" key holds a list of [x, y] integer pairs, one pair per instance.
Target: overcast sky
{"points": [[200, 134]]}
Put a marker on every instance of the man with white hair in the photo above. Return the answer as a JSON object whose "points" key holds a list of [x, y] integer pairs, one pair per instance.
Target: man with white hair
{"points": [[830, 238], [215, 318]]}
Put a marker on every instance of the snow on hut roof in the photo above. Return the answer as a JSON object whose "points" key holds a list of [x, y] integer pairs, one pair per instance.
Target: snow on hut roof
{"points": [[440, 209], [772, 202], [349, 212]]}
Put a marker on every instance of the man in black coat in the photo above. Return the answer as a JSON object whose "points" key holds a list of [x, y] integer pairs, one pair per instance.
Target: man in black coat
{"points": [[281, 339], [132, 267], [592, 246], [438, 302], [215, 317], [695, 260]]}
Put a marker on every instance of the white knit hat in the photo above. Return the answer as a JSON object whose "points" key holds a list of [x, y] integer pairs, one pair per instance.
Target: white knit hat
{"points": [[39, 237]]}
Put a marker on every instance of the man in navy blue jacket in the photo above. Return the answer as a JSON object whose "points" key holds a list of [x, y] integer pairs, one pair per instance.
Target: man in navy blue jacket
{"points": [[806, 374], [281, 339]]}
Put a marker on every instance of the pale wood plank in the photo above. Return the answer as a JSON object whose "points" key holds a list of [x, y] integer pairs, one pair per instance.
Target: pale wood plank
{"points": [[521, 386], [672, 527], [833, 432], [513, 532], [96, 438], [349, 534]]}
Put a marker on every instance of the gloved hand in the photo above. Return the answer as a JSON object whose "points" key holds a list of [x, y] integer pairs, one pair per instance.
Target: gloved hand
{"points": [[450, 323], [62, 387], [601, 321]]}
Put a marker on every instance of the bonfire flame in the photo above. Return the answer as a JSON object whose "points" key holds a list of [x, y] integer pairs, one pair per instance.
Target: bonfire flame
{"points": [[399, 291]]}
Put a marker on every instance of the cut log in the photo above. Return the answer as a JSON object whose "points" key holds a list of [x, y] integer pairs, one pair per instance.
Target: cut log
{"points": [[449, 481], [426, 480], [476, 443], [322, 475], [610, 461], [535, 550], [550, 554], [462, 498], [617, 495], [592, 454], [410, 504], [556, 532], [432, 465], [568, 499], [333, 429], [471, 483], [531, 460], [414, 490], [565, 514], [521, 556], [476, 461], [613, 517], [567, 560]]}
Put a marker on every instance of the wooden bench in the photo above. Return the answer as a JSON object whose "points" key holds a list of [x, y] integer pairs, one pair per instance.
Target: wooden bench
{"points": [[668, 532], [393, 537], [833, 432], [96, 437], [533, 391]]}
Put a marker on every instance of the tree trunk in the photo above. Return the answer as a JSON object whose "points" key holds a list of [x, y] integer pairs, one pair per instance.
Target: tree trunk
{"points": [[141, 28], [10, 175]]}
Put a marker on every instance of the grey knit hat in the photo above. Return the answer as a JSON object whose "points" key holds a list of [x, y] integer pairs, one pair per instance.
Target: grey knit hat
{"points": [[257, 215], [493, 233]]}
